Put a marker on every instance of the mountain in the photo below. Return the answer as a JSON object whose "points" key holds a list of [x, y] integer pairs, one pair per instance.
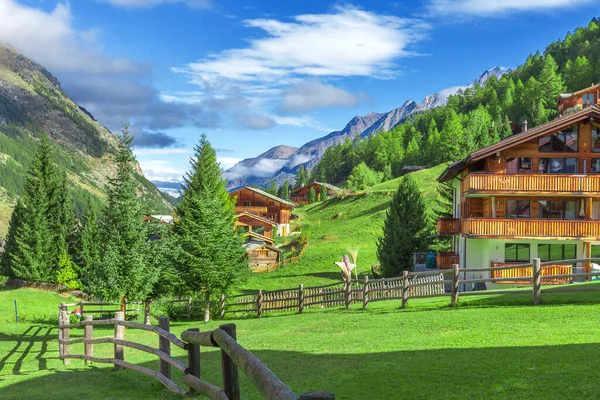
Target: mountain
{"points": [[310, 153], [33, 102], [253, 171]]}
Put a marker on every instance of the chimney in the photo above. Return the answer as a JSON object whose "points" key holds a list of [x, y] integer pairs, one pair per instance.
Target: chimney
{"points": [[524, 126]]}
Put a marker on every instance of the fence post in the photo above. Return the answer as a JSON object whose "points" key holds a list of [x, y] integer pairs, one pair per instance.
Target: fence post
{"points": [[259, 300], [66, 333], [88, 334], [147, 305], [455, 278], [81, 307], [348, 293], [194, 358], [119, 334], [300, 298], [365, 292], [189, 309], [164, 344], [16, 312], [404, 288], [537, 281], [231, 383], [222, 306]]}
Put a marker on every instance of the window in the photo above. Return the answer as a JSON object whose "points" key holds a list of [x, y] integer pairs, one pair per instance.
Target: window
{"points": [[517, 209], [557, 166], [247, 204], [260, 203], [595, 139], [595, 165], [518, 165], [554, 252], [587, 99], [516, 252], [271, 203], [564, 141], [548, 209]]}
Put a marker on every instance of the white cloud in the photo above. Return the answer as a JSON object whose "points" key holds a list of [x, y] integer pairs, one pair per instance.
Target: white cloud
{"points": [[200, 4], [228, 162], [50, 39], [496, 7], [311, 95], [264, 168], [346, 42], [300, 121], [299, 159]]}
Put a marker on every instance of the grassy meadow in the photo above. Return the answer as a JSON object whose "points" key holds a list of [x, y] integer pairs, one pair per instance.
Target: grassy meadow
{"points": [[426, 351], [336, 225]]}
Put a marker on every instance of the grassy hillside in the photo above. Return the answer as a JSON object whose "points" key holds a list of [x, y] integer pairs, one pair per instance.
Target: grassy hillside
{"points": [[382, 353], [336, 225]]}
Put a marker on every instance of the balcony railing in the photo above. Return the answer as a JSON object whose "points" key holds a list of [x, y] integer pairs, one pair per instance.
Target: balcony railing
{"points": [[546, 270], [531, 227], [446, 260], [448, 226], [537, 183], [256, 210]]}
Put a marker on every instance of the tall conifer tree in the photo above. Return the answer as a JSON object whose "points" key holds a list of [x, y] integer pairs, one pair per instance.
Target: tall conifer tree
{"points": [[211, 259], [403, 230]]}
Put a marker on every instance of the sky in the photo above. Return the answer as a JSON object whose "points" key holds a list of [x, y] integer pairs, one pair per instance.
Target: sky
{"points": [[252, 75]]}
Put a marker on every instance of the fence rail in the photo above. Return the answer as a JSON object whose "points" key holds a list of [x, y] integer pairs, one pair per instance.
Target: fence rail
{"points": [[233, 356]]}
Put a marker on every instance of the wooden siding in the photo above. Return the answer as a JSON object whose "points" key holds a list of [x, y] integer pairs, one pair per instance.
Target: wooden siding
{"points": [[263, 257], [546, 270], [537, 183], [446, 260], [448, 226], [255, 203], [260, 211], [526, 228]]}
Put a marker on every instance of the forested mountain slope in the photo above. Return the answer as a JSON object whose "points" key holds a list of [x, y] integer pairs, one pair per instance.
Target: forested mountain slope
{"points": [[32, 102], [478, 116]]}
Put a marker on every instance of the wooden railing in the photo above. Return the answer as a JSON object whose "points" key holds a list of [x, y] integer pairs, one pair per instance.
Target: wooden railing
{"points": [[531, 227], [446, 260], [538, 183], [256, 210], [546, 270], [233, 356], [448, 226]]}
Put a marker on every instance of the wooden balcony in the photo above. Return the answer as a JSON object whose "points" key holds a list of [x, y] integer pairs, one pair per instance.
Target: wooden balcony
{"points": [[256, 210], [546, 270], [448, 226], [446, 260], [532, 184], [525, 228]]}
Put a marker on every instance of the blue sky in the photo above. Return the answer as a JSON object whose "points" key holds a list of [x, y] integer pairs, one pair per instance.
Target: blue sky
{"points": [[255, 74]]}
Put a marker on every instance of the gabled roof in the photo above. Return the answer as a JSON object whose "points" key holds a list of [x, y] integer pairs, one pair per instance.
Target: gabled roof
{"points": [[256, 217], [259, 237], [587, 89], [556, 125], [260, 245], [263, 193], [327, 185]]}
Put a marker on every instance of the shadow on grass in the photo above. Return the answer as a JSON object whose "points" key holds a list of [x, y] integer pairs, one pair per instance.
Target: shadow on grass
{"points": [[534, 372], [23, 345]]}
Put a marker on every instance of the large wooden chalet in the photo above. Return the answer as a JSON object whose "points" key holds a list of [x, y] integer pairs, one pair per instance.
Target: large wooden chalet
{"points": [[262, 211], [300, 195], [534, 194]]}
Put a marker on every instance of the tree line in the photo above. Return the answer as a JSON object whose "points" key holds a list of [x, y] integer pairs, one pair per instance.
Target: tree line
{"points": [[118, 254]]}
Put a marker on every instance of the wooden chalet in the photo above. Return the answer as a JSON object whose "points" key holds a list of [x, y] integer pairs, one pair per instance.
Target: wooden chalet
{"points": [[570, 102], [254, 223], [300, 195], [262, 204], [534, 194]]}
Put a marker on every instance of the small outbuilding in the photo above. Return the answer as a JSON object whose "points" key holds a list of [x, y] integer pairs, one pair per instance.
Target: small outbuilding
{"points": [[300, 195]]}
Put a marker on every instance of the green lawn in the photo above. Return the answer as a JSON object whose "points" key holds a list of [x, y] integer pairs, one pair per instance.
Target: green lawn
{"points": [[426, 351], [336, 225]]}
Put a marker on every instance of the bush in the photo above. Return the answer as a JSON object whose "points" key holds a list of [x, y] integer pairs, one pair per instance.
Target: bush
{"points": [[66, 274], [362, 177]]}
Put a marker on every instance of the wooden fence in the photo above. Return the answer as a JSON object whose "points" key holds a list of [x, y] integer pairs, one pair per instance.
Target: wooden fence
{"points": [[410, 285], [233, 356]]}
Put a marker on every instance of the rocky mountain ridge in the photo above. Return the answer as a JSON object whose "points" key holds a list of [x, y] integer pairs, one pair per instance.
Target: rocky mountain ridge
{"points": [[309, 154]]}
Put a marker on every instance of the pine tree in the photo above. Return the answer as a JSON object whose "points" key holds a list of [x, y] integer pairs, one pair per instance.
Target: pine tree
{"points": [[323, 194], [211, 259], [62, 216], [124, 271], [403, 230], [301, 177], [284, 191], [88, 256], [312, 195]]}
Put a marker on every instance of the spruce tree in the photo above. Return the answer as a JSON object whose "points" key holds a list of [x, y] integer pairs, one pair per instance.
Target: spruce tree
{"points": [[312, 195], [284, 191], [323, 195], [211, 259], [272, 188], [124, 271], [403, 230], [301, 177], [88, 255]]}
